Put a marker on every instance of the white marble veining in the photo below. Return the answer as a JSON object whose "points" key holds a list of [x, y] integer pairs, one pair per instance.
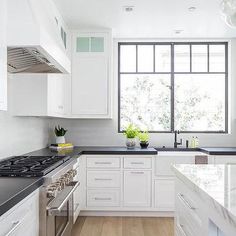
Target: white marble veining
{"points": [[215, 185]]}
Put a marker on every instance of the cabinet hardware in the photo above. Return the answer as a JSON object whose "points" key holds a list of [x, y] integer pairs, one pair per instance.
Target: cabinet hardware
{"points": [[137, 172], [105, 163], [15, 225], [182, 198], [100, 179], [102, 198], [137, 163]]}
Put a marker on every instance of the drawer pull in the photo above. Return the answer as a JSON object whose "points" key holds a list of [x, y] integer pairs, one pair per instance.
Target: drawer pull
{"points": [[15, 225], [182, 198], [100, 179], [137, 172], [181, 227], [103, 163], [102, 198], [137, 163]]}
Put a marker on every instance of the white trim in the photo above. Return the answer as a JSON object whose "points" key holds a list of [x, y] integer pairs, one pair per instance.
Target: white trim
{"points": [[127, 213]]}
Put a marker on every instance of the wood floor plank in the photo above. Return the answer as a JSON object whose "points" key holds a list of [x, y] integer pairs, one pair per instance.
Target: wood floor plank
{"points": [[78, 226], [132, 226], [92, 226], [112, 226], [123, 226]]}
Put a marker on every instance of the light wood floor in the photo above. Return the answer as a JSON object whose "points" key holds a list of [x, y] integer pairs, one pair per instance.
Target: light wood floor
{"points": [[123, 226]]}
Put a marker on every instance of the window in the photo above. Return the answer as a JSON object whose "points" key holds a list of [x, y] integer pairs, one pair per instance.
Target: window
{"points": [[174, 86]]}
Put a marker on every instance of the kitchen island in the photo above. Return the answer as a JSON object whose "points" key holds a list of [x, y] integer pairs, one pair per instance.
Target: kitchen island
{"points": [[205, 197]]}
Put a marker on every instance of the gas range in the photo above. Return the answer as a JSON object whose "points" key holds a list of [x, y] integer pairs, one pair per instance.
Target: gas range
{"points": [[30, 166]]}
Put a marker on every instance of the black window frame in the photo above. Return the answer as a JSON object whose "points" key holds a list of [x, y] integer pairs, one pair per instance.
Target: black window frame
{"points": [[172, 73]]}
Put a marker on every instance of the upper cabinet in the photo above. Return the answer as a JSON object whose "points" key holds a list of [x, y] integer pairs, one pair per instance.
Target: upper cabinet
{"points": [[38, 95], [91, 75], [3, 57]]}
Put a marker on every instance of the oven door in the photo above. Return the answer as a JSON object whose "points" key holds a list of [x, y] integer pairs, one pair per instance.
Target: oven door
{"points": [[60, 212]]}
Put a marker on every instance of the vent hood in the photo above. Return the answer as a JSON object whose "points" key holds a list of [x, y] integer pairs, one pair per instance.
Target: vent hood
{"points": [[33, 38]]}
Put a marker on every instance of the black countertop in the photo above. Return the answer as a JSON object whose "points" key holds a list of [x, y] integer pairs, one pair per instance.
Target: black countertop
{"points": [[14, 189], [99, 150], [219, 150]]}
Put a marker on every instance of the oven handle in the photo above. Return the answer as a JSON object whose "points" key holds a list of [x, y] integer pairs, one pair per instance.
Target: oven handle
{"points": [[57, 207]]}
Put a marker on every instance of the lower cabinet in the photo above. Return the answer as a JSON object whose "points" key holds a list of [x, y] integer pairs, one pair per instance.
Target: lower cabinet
{"points": [[137, 188], [164, 193], [22, 219]]}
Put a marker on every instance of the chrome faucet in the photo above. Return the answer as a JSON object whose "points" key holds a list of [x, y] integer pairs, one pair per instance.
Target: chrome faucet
{"points": [[176, 143]]}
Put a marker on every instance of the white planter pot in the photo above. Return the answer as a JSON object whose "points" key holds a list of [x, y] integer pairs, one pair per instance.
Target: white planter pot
{"points": [[130, 143], [60, 139]]}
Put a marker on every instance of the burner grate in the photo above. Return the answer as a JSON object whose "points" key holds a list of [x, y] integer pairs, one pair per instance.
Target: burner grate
{"points": [[30, 166]]}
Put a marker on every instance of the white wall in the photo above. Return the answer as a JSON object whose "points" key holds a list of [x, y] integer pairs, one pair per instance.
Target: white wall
{"points": [[104, 132], [19, 135]]}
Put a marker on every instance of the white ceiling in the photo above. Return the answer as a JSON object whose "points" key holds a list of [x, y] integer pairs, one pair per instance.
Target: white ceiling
{"points": [[150, 19]]}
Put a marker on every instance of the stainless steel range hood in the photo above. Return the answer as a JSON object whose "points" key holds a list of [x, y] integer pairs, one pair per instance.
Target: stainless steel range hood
{"points": [[33, 38], [28, 60]]}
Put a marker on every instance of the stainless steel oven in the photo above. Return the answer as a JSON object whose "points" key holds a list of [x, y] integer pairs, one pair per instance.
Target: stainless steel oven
{"points": [[56, 201], [60, 212]]}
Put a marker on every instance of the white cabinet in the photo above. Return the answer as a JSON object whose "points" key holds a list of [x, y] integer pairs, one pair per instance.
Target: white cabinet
{"points": [[37, 95], [164, 160], [22, 219], [224, 159], [164, 193], [91, 75], [3, 57], [137, 188]]}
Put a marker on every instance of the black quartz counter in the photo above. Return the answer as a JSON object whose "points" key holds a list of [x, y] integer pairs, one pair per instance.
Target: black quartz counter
{"points": [[219, 150], [96, 151], [14, 189]]}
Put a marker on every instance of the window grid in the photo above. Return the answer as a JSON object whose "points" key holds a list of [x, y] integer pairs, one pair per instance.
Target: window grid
{"points": [[172, 74]]}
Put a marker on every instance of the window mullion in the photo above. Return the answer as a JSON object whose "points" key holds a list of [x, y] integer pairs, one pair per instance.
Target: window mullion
{"points": [[172, 90]]}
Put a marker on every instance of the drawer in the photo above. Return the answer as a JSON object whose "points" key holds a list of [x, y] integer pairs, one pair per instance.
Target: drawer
{"points": [[103, 179], [103, 198], [19, 216], [137, 163], [103, 162]]}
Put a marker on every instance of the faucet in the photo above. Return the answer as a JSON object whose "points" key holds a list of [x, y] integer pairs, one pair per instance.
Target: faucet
{"points": [[176, 143]]}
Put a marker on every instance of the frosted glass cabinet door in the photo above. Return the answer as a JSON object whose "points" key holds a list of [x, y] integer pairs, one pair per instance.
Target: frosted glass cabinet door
{"points": [[3, 57]]}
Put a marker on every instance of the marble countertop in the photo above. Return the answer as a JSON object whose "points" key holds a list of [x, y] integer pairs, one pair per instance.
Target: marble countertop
{"points": [[216, 184]]}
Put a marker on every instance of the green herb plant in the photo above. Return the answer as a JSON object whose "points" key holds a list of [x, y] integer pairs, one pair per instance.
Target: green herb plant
{"points": [[131, 131], [59, 131], [143, 136]]}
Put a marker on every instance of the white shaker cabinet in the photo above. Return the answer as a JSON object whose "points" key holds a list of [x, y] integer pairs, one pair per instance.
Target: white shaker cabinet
{"points": [[22, 219], [3, 57], [137, 188], [38, 94], [91, 75]]}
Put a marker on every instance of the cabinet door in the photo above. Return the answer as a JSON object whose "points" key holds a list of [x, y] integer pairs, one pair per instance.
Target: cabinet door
{"points": [[90, 87], [137, 188], [3, 58], [165, 194], [224, 159], [56, 94], [90, 75]]}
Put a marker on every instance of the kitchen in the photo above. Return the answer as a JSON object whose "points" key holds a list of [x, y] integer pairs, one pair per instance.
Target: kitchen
{"points": [[144, 91]]}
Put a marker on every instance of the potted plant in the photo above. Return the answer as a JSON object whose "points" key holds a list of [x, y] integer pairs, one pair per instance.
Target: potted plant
{"points": [[131, 133], [60, 134], [143, 138]]}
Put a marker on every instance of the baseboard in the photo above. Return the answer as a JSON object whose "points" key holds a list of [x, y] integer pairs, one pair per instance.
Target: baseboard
{"points": [[128, 213]]}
